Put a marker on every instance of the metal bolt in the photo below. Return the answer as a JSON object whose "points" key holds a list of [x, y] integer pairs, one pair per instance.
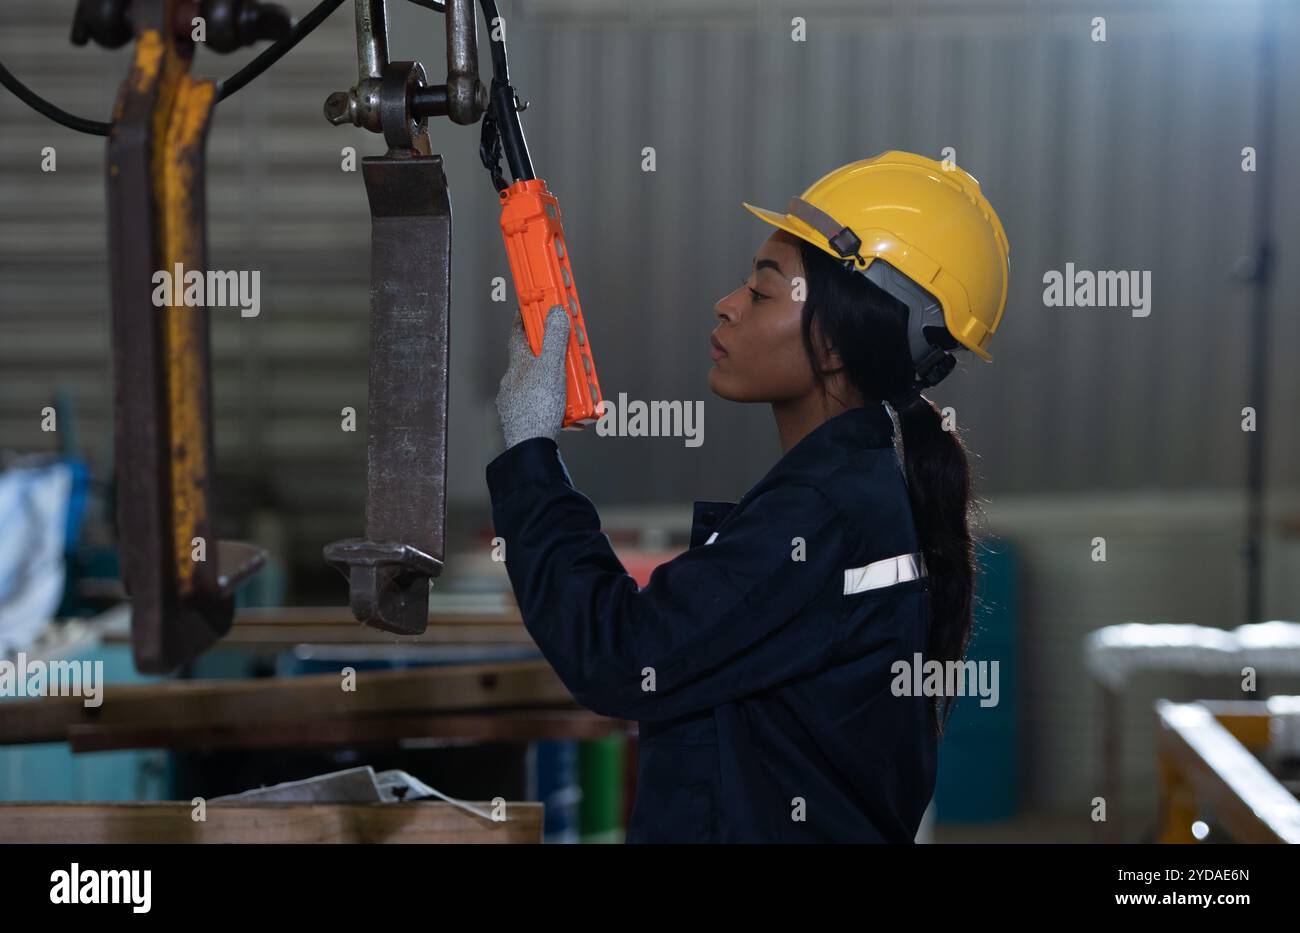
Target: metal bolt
{"points": [[339, 107]]}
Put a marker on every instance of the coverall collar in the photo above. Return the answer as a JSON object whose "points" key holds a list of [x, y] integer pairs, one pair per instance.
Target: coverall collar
{"points": [[821, 449], [865, 426]]}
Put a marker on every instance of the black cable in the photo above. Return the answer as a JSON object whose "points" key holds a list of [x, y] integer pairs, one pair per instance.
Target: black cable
{"points": [[499, 66], [46, 109], [504, 117], [235, 82], [274, 53]]}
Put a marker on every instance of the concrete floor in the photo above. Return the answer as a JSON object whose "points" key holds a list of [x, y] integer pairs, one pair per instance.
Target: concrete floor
{"points": [[1029, 827]]}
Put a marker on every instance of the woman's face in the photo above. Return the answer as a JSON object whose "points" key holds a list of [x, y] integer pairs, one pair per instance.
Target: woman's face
{"points": [[762, 356]]}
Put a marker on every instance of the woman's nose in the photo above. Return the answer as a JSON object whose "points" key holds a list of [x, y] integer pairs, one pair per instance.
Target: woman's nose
{"points": [[725, 308]]}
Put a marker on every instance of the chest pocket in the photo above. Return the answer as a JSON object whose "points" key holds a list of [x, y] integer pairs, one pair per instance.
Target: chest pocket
{"points": [[707, 519]]}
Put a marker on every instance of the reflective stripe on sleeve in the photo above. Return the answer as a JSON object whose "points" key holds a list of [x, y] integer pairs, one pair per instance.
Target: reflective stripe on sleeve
{"points": [[883, 573]]}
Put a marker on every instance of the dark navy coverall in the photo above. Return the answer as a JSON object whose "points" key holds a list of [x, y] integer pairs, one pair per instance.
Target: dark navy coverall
{"points": [[761, 681]]}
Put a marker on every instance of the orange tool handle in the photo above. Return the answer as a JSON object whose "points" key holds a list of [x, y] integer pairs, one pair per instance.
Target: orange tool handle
{"points": [[539, 262]]}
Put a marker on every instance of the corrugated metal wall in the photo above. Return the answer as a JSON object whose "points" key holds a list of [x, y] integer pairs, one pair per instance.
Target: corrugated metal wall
{"points": [[1115, 155]]}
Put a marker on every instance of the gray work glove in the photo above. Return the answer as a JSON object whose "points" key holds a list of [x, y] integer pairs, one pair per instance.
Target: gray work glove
{"points": [[533, 391]]}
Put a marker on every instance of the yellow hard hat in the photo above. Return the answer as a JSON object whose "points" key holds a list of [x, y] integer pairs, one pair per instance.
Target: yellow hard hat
{"points": [[929, 222]]}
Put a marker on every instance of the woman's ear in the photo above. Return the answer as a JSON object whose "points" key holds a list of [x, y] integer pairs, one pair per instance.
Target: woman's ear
{"points": [[830, 359]]}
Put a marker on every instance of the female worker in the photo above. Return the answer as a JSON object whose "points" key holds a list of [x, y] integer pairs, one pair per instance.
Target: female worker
{"points": [[763, 663]]}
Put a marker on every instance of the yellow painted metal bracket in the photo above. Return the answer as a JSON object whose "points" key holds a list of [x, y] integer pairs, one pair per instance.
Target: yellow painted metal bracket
{"points": [[180, 579]]}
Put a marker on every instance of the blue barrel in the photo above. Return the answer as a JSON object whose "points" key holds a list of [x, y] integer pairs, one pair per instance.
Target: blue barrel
{"points": [[979, 754], [555, 775]]}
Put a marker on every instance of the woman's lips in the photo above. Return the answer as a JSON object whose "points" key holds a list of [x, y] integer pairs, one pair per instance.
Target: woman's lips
{"points": [[717, 352]]}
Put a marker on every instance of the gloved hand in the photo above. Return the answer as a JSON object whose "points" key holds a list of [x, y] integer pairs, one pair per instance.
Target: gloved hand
{"points": [[533, 392]]}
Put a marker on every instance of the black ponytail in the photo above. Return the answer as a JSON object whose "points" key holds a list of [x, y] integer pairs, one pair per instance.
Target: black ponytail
{"points": [[938, 483], [867, 326]]}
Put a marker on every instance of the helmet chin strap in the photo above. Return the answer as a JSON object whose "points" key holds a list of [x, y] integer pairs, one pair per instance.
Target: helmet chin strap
{"points": [[842, 239]]}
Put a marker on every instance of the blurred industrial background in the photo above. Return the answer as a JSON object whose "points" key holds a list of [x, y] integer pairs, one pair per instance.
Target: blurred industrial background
{"points": [[1124, 154]]}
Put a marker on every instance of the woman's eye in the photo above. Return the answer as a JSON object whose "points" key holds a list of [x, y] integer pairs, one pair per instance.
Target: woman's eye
{"points": [[757, 296]]}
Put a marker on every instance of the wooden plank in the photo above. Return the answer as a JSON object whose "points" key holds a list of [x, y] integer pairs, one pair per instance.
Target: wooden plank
{"points": [[509, 726], [172, 822], [230, 703], [284, 626], [1250, 803], [342, 616], [274, 636]]}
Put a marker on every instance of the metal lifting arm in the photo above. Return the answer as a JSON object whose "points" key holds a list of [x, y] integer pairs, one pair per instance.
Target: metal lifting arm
{"points": [[389, 569], [181, 580]]}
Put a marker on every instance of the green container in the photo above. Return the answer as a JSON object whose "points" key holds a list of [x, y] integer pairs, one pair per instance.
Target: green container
{"points": [[600, 769]]}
